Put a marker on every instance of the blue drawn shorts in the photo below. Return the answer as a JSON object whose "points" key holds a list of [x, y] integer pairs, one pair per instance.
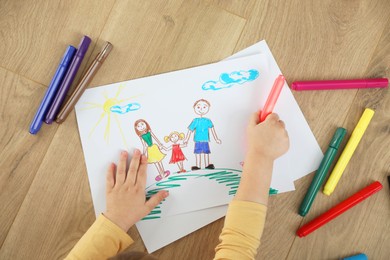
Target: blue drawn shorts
{"points": [[202, 147]]}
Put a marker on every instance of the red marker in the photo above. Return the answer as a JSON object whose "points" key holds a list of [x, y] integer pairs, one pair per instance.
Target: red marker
{"points": [[340, 84], [339, 209], [272, 98]]}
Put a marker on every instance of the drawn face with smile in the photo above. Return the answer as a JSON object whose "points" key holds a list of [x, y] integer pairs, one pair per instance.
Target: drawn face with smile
{"points": [[201, 108], [141, 126], [174, 138]]}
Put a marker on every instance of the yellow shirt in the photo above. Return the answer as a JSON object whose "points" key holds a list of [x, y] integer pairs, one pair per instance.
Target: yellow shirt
{"points": [[239, 239]]}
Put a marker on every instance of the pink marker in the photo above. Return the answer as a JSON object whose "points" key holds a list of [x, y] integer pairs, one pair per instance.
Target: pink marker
{"points": [[340, 84], [272, 98]]}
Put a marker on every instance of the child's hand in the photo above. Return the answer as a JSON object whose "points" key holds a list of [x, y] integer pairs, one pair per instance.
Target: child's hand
{"points": [[125, 191], [269, 138]]}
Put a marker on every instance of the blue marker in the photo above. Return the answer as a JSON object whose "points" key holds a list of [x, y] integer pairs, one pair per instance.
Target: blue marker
{"points": [[356, 257], [52, 90]]}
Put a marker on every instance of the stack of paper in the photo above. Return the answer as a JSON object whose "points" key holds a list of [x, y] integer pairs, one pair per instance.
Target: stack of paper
{"points": [[158, 114]]}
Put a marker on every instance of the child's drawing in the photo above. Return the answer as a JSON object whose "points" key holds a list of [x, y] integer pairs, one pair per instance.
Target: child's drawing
{"points": [[200, 126], [151, 150], [110, 106], [125, 109], [227, 80], [177, 154]]}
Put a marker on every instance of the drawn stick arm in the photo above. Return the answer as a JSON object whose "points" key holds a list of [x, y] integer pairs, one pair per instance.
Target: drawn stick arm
{"points": [[155, 138], [215, 136]]}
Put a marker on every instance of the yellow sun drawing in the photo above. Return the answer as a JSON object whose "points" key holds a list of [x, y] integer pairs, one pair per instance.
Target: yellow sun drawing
{"points": [[110, 113]]}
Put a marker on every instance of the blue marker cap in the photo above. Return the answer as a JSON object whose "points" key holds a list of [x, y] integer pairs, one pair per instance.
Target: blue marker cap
{"points": [[356, 257]]}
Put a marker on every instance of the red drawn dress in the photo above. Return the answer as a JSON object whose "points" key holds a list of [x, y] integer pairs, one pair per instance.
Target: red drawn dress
{"points": [[177, 154]]}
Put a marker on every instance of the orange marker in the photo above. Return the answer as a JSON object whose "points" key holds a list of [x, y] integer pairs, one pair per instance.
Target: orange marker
{"points": [[272, 98]]}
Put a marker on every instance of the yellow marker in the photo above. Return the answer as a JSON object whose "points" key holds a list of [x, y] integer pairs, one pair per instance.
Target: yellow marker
{"points": [[348, 151]]}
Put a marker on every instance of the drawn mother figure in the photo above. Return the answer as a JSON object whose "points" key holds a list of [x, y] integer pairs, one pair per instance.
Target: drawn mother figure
{"points": [[151, 150]]}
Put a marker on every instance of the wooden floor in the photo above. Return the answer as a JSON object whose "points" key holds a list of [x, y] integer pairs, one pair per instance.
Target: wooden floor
{"points": [[45, 200]]}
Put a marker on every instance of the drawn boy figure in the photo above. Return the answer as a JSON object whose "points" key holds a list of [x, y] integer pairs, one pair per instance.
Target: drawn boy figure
{"points": [[201, 126]]}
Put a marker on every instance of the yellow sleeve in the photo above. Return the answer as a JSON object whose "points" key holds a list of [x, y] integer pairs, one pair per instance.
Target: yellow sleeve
{"points": [[103, 239], [240, 236]]}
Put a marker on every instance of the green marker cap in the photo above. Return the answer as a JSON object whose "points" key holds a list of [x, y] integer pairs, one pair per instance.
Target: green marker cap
{"points": [[338, 137]]}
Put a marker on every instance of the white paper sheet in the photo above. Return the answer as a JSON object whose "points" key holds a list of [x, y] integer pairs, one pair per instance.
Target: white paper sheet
{"points": [[153, 232], [159, 232], [166, 102]]}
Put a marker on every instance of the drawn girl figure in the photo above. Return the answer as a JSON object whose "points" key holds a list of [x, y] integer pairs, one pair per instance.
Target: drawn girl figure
{"points": [[177, 154], [151, 150]]}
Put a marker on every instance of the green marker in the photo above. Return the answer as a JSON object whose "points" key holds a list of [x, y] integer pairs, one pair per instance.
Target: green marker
{"points": [[319, 176]]}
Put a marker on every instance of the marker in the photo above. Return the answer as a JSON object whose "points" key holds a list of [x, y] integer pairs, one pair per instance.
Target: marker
{"points": [[348, 151], [319, 176], [52, 90], [84, 82], [68, 79], [340, 84], [356, 257], [339, 209], [388, 179], [272, 98]]}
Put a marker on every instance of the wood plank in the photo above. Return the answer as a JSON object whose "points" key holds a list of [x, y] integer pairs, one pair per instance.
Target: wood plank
{"points": [[57, 203], [365, 227], [163, 37], [34, 34], [242, 8], [20, 152], [148, 38]]}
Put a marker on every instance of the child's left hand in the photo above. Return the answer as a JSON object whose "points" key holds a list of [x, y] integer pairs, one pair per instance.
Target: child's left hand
{"points": [[125, 191]]}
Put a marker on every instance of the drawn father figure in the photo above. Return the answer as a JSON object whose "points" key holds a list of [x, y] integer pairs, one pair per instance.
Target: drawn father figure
{"points": [[201, 126]]}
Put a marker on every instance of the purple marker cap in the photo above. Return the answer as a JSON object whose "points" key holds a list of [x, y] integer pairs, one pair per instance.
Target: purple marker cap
{"points": [[83, 47], [68, 79]]}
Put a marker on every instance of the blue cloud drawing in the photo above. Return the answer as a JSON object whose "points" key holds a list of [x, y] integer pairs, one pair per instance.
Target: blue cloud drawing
{"points": [[227, 80], [125, 109]]}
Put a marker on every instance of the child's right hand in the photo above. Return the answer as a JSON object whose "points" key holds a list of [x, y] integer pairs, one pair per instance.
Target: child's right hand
{"points": [[269, 138]]}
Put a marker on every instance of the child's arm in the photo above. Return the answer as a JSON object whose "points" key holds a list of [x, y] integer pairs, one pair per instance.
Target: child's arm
{"points": [[245, 218], [126, 205]]}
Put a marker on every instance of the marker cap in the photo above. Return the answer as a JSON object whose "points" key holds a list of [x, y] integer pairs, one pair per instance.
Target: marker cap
{"points": [[356, 257], [338, 137]]}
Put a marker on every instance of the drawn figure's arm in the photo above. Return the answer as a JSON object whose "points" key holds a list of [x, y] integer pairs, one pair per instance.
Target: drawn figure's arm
{"points": [[166, 148], [155, 138], [144, 147], [189, 132], [183, 145], [215, 136]]}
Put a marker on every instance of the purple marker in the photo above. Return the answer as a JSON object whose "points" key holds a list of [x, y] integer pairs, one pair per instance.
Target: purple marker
{"points": [[52, 89], [68, 79]]}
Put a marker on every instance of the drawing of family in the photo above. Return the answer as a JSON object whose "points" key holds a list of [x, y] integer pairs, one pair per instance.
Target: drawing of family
{"points": [[200, 126]]}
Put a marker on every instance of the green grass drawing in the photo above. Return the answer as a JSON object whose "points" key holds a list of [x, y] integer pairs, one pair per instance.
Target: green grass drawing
{"points": [[228, 177]]}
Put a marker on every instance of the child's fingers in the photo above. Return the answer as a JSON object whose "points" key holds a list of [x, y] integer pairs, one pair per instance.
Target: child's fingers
{"points": [[133, 168], [141, 177], [272, 117], [121, 169], [156, 199], [110, 177], [254, 120]]}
